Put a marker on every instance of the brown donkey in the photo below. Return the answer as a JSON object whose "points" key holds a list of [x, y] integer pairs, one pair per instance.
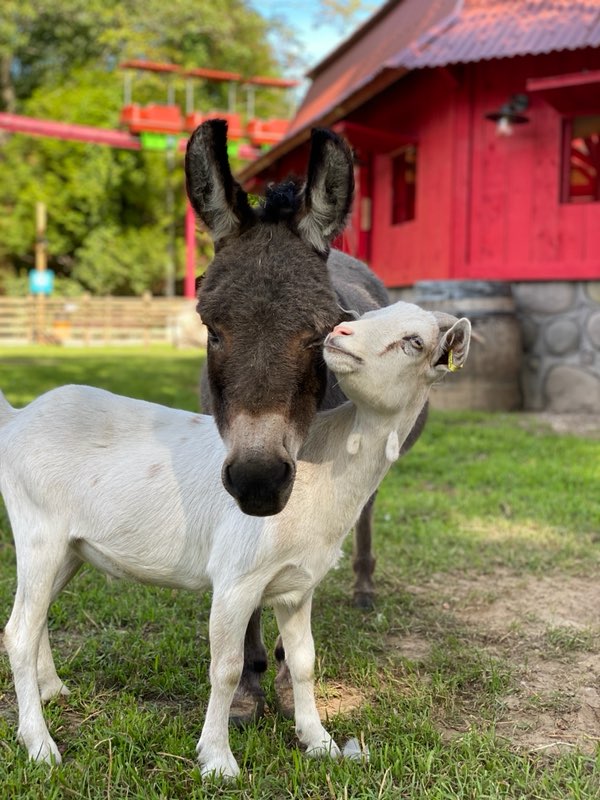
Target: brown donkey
{"points": [[275, 285]]}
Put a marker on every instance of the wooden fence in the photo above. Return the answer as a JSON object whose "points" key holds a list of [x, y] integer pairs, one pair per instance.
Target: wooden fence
{"points": [[90, 320]]}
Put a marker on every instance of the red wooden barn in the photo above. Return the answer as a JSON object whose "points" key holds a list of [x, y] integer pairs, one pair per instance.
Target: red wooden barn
{"points": [[476, 127]]}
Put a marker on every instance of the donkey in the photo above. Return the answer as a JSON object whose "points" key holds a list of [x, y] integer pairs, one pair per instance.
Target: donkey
{"points": [[273, 290]]}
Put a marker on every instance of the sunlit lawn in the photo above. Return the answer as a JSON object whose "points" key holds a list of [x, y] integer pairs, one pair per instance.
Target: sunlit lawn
{"points": [[478, 492]]}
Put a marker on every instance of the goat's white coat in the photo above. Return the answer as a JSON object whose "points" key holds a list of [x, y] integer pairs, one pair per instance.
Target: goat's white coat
{"points": [[134, 488]]}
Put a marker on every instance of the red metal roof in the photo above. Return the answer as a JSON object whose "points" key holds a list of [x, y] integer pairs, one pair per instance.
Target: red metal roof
{"points": [[411, 34], [485, 29]]}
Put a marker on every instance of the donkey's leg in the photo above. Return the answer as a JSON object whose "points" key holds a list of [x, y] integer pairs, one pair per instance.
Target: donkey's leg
{"points": [[294, 626], [364, 562], [50, 685], [229, 616], [283, 682], [37, 570], [249, 700]]}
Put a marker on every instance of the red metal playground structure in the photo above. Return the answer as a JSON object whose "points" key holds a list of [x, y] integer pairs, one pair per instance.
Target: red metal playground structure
{"points": [[164, 127]]}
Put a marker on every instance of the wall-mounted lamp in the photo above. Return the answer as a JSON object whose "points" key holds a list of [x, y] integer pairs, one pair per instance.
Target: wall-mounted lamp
{"points": [[509, 114]]}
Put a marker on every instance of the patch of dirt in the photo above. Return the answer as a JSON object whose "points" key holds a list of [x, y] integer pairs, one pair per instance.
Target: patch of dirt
{"points": [[335, 698], [548, 630]]}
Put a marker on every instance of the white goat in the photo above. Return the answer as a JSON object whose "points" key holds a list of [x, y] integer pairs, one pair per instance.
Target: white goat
{"points": [[134, 489]]}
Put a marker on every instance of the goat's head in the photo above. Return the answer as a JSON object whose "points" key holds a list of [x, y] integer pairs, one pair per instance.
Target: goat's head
{"points": [[268, 303], [383, 357]]}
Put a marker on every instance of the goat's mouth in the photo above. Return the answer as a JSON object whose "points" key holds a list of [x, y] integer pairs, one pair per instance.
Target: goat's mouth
{"points": [[339, 359]]}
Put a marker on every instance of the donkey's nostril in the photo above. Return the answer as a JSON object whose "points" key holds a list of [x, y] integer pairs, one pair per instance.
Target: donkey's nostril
{"points": [[226, 478], [260, 487]]}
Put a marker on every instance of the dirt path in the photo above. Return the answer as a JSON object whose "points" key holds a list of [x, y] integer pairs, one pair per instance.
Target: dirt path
{"points": [[548, 631]]}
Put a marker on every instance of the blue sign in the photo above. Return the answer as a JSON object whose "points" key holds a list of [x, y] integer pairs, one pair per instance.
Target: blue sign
{"points": [[41, 281]]}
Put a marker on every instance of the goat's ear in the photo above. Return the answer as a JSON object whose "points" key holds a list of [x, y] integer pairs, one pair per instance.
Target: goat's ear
{"points": [[328, 192], [216, 197], [453, 346]]}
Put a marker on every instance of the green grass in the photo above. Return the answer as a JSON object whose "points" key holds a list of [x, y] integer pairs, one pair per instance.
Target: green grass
{"points": [[479, 493]]}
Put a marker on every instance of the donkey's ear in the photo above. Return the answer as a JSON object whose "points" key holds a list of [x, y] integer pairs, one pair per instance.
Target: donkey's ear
{"points": [[216, 197], [329, 189], [453, 347]]}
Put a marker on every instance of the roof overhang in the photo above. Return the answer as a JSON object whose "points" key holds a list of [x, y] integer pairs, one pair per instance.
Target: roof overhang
{"points": [[365, 138], [572, 93], [327, 120]]}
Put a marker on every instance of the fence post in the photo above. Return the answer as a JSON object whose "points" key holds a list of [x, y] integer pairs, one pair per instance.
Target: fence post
{"points": [[41, 264], [85, 300], [147, 301], [108, 319]]}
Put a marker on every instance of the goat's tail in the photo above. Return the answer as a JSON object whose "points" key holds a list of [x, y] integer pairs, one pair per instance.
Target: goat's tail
{"points": [[6, 410]]}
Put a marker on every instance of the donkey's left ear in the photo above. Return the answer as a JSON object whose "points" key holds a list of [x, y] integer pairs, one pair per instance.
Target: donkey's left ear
{"points": [[453, 348], [327, 195]]}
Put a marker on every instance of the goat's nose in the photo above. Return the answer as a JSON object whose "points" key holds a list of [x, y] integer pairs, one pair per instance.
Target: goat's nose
{"points": [[342, 330]]}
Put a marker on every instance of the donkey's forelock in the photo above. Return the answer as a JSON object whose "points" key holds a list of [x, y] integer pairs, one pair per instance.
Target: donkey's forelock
{"points": [[282, 201]]}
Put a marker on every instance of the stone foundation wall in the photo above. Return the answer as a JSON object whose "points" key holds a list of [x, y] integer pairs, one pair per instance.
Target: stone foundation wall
{"points": [[560, 325]]}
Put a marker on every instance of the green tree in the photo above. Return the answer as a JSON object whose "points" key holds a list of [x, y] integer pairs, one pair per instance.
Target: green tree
{"points": [[344, 14], [59, 59]]}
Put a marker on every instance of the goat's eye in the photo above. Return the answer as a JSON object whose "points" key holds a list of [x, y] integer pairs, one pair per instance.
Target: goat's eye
{"points": [[415, 341]]}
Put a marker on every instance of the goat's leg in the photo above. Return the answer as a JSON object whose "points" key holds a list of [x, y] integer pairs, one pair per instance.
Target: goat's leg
{"points": [[363, 562], [36, 573], [49, 683], [249, 700], [294, 626], [229, 618]]}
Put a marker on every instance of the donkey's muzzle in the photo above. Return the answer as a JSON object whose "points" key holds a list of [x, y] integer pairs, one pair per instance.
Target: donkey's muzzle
{"points": [[261, 487]]}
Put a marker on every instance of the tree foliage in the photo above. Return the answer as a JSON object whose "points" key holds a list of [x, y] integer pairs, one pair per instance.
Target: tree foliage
{"points": [[344, 14], [107, 221]]}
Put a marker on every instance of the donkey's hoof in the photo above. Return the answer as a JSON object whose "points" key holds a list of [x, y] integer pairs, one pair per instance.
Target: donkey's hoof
{"points": [[364, 600], [246, 707]]}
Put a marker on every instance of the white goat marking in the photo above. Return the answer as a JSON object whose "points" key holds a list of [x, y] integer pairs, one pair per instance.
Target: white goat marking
{"points": [[392, 447], [134, 488]]}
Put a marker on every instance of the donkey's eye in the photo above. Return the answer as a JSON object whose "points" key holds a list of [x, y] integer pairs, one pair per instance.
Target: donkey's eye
{"points": [[214, 339], [314, 342]]}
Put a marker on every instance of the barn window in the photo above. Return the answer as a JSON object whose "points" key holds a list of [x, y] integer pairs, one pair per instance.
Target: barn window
{"points": [[404, 184], [581, 160]]}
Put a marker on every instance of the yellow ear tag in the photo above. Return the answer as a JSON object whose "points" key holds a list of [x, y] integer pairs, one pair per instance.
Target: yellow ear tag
{"points": [[452, 367]]}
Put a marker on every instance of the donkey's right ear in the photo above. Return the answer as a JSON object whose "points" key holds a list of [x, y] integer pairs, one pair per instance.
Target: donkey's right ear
{"points": [[216, 197], [329, 190]]}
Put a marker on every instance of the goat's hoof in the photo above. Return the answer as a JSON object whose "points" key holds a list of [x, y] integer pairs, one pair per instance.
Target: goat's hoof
{"points": [[325, 749], [44, 751], [218, 767], [54, 689], [355, 751], [246, 707], [364, 600]]}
